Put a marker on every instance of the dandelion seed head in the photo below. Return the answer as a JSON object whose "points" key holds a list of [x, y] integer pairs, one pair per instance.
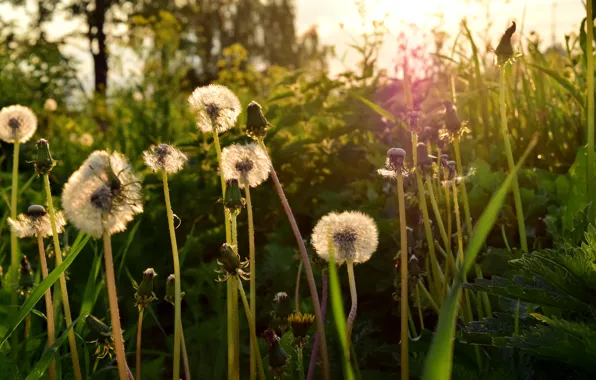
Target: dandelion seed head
{"points": [[17, 124], [248, 163], [216, 107], [104, 187], [352, 234], [164, 157], [36, 223], [50, 105], [394, 163], [86, 139]]}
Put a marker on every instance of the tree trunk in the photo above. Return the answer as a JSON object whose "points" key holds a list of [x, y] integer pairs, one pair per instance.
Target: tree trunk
{"points": [[97, 40]]}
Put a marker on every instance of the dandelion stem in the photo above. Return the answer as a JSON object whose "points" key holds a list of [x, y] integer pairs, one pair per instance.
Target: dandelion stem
{"points": [[63, 289], [307, 267], [139, 335], [113, 300], [590, 102], [419, 307], [462, 186], [301, 362], [519, 209], [184, 355], [429, 297], [253, 275], [230, 321], [253, 330], [315, 347], [297, 288], [354, 296], [49, 306], [223, 181], [403, 275], [14, 250], [177, 287], [234, 294], [437, 213]]}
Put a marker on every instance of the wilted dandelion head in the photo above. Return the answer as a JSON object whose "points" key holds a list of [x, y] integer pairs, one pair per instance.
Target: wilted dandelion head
{"points": [[50, 105], [351, 234], [17, 124], [103, 193], [36, 222], [216, 107], [504, 51], [164, 157], [248, 163], [394, 163]]}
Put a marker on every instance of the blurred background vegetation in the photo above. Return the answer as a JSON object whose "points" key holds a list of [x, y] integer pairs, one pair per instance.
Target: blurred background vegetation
{"points": [[327, 144]]}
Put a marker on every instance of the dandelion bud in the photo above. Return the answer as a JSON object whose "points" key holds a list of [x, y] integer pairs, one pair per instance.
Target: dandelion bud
{"points": [[17, 124], [101, 335], [424, 159], [282, 307], [171, 290], [144, 294], [452, 166], [414, 121], [429, 134], [278, 358], [97, 327], [26, 280], [452, 121], [233, 201], [44, 162], [300, 324], [229, 259], [394, 163], [256, 123], [504, 50]]}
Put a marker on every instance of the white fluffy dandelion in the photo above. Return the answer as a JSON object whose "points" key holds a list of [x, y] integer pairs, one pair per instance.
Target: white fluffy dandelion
{"points": [[104, 187], [215, 107], [36, 222], [247, 163], [354, 236], [164, 157], [17, 124], [50, 105]]}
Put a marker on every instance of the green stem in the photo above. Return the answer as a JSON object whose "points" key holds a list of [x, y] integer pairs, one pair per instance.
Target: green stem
{"points": [[14, 249], [235, 319], [63, 289], [429, 297], [222, 179], [300, 363], [177, 287], [404, 275], [297, 288], [519, 210], [49, 306], [253, 330], [354, 297], [139, 336], [230, 321], [253, 275], [419, 307], [487, 307], [437, 213], [184, 356], [462, 186], [590, 102]]}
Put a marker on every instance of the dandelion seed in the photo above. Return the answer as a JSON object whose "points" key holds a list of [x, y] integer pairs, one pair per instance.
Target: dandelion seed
{"points": [[248, 163], [36, 223], [50, 105], [354, 236], [216, 108], [17, 124], [164, 157], [104, 187]]}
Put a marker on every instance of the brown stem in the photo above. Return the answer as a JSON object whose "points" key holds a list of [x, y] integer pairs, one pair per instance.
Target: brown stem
{"points": [[49, 305], [139, 335], [184, 355], [297, 290], [307, 267]]}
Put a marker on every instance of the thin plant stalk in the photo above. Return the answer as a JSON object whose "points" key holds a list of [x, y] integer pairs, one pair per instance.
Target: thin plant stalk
{"points": [[113, 300], [403, 276], [49, 305], [14, 250], [429, 297], [234, 294], [590, 101], [315, 347], [139, 335], [253, 330], [63, 289], [185, 356], [253, 274], [297, 288], [307, 268], [437, 213], [462, 186], [177, 287], [519, 209], [300, 363], [354, 297], [419, 307]]}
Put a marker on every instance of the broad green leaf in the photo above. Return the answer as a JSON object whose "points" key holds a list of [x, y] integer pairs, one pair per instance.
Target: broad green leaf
{"points": [[38, 292], [378, 109], [439, 362]]}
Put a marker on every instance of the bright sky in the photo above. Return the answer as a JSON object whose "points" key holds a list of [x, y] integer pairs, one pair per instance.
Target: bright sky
{"points": [[328, 14]]}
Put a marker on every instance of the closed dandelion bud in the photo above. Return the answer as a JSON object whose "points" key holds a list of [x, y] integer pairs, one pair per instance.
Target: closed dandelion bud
{"points": [[504, 49], [278, 358], [452, 121], [171, 290], [233, 201], [394, 163], [101, 335], [414, 121], [144, 294], [300, 324], [256, 123], [26, 280], [452, 166], [230, 263], [44, 162], [282, 307]]}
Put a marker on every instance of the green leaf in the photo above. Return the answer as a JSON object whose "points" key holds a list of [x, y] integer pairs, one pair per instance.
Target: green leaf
{"points": [[439, 362], [38, 292], [43, 363], [566, 84], [378, 109]]}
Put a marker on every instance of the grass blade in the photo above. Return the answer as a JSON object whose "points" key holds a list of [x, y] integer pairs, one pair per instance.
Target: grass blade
{"points": [[439, 361], [38, 292], [43, 363], [566, 84]]}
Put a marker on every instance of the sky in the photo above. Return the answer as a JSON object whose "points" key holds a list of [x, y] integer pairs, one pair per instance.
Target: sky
{"points": [[538, 15]]}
